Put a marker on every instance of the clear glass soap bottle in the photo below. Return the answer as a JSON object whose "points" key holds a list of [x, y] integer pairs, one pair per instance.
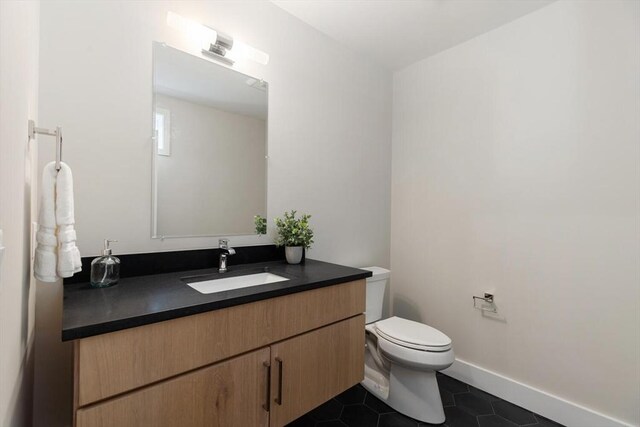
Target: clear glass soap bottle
{"points": [[105, 270]]}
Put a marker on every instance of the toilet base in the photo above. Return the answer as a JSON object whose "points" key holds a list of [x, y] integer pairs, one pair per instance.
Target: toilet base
{"points": [[408, 391], [416, 394], [376, 383]]}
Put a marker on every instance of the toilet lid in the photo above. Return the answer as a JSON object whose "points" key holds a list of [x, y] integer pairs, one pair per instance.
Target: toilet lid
{"points": [[412, 334]]}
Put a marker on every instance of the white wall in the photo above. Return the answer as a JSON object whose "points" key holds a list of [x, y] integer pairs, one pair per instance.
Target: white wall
{"points": [[329, 133], [18, 103], [516, 170], [219, 157], [329, 122]]}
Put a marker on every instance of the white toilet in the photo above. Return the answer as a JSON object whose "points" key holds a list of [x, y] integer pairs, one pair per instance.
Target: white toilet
{"points": [[402, 357]]}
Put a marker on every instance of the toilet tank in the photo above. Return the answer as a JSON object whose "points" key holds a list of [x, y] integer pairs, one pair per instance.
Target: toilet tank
{"points": [[376, 286]]}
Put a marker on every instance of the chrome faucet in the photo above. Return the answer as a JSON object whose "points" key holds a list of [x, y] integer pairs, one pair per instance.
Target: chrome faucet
{"points": [[225, 252]]}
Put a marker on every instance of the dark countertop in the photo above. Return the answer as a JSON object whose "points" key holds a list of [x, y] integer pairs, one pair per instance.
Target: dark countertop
{"points": [[141, 300]]}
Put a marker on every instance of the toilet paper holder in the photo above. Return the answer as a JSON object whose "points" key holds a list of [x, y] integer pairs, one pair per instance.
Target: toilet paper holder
{"points": [[488, 300]]}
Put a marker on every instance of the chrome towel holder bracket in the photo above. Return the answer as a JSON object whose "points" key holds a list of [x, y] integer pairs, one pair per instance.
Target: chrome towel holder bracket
{"points": [[57, 133], [487, 303]]}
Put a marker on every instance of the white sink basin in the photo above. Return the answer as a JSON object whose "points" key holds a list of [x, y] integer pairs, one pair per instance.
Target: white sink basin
{"points": [[238, 282]]}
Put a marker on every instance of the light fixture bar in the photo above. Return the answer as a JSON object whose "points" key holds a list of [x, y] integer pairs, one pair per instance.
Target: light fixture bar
{"points": [[215, 44]]}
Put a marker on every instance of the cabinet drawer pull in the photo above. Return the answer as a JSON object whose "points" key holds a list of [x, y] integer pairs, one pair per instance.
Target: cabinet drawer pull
{"points": [[267, 405], [280, 368]]}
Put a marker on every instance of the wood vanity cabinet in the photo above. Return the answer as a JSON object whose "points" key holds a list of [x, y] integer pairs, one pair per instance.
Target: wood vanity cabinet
{"points": [[258, 364]]}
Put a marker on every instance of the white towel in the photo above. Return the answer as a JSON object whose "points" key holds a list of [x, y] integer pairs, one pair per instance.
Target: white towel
{"points": [[68, 254], [46, 257], [56, 254]]}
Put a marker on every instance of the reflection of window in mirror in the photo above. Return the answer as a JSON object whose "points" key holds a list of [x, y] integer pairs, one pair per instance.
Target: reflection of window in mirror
{"points": [[163, 131]]}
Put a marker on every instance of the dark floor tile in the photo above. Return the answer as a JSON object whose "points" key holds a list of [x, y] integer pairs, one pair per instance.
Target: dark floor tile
{"points": [[458, 418], [377, 405], [396, 420], [329, 410], [494, 421], [473, 404], [303, 421], [546, 422], [359, 416], [447, 398], [483, 394], [332, 423], [513, 413], [353, 395], [452, 385], [464, 406]]}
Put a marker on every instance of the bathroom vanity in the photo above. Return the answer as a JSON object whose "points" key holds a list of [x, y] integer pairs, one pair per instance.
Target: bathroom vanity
{"points": [[154, 351], [194, 346]]}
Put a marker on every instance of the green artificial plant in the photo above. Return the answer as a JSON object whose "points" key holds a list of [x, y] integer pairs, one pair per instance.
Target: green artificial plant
{"points": [[261, 224], [294, 231]]}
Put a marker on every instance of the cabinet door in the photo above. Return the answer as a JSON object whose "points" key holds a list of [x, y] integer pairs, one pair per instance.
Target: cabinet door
{"points": [[230, 393], [309, 369]]}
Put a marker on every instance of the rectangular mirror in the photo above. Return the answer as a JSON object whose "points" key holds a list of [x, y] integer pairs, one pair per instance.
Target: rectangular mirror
{"points": [[210, 146]]}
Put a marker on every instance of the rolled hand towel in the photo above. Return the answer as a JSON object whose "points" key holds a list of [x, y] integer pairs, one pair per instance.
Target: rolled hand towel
{"points": [[68, 253], [45, 262]]}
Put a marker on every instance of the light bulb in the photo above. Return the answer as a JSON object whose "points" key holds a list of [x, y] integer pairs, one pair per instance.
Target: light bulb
{"points": [[203, 35], [242, 50]]}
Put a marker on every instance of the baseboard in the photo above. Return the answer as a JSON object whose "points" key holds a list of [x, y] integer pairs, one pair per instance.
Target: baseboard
{"points": [[538, 401]]}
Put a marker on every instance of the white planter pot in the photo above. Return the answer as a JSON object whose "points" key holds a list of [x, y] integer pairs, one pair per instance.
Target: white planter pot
{"points": [[293, 254]]}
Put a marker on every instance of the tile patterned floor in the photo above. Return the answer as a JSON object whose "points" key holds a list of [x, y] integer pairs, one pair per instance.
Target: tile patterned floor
{"points": [[464, 406]]}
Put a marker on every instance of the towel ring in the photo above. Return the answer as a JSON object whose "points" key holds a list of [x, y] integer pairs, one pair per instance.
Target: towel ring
{"points": [[33, 130]]}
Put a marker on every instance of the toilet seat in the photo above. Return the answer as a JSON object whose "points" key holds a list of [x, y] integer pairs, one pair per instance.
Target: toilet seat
{"points": [[413, 358], [413, 335]]}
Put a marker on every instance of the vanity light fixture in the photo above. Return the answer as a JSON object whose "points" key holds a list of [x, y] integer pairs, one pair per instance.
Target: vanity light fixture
{"points": [[217, 45]]}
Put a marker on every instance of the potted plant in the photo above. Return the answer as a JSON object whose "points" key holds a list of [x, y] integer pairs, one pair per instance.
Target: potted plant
{"points": [[261, 224], [294, 234]]}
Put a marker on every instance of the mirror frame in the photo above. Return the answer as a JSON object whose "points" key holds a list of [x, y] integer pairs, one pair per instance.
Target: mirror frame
{"points": [[154, 180]]}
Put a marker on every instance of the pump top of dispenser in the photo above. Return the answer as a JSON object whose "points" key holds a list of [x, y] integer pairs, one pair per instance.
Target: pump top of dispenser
{"points": [[107, 250]]}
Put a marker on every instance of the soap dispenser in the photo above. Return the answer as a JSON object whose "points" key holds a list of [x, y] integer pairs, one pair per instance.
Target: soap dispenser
{"points": [[105, 270]]}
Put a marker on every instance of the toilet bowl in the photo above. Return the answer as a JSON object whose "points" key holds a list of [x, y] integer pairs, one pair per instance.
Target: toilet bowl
{"points": [[402, 357]]}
